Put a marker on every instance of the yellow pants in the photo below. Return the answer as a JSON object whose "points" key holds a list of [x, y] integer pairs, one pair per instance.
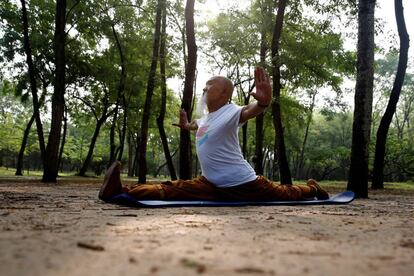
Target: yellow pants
{"points": [[199, 188]]}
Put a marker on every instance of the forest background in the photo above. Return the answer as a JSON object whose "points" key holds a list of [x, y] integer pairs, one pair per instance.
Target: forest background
{"points": [[110, 84]]}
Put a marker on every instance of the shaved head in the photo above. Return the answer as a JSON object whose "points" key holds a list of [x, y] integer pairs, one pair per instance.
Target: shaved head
{"points": [[226, 84]]}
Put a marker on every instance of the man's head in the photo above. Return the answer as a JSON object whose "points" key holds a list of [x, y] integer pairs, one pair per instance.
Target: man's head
{"points": [[217, 92]]}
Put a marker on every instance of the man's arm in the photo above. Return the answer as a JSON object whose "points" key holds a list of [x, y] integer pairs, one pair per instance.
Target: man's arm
{"points": [[263, 96], [184, 124]]}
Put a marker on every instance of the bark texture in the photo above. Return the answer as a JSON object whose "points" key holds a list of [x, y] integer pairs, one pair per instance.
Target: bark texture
{"points": [[160, 118], [185, 138], [142, 158], [50, 169], [32, 78], [280, 149], [358, 173]]}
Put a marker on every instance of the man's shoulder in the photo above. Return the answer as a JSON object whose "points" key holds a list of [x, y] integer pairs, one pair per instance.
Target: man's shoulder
{"points": [[232, 107]]}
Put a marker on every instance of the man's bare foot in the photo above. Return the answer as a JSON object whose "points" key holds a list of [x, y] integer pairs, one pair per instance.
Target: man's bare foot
{"points": [[112, 182], [320, 192]]}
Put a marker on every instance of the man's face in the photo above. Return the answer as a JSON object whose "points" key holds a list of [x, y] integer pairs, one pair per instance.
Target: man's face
{"points": [[213, 92]]}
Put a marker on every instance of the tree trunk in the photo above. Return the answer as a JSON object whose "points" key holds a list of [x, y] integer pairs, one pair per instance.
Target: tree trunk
{"points": [[185, 138], [112, 146], [244, 127], [358, 172], [142, 161], [65, 129], [50, 169], [299, 167], [124, 129], [280, 149], [19, 166], [120, 90], [32, 77], [378, 173], [258, 164], [121, 87], [136, 157], [160, 119], [131, 155], [85, 165]]}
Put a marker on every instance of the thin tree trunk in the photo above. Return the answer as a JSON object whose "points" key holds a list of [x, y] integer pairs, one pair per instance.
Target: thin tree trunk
{"points": [[280, 149], [160, 119], [142, 161], [185, 138], [131, 155], [244, 127], [121, 87], [65, 129], [358, 172], [124, 129], [32, 77], [305, 139], [19, 166], [120, 91], [258, 164], [112, 146], [378, 173], [85, 165], [136, 166], [50, 169]]}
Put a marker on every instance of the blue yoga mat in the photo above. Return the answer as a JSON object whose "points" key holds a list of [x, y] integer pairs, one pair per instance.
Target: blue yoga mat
{"points": [[125, 199]]}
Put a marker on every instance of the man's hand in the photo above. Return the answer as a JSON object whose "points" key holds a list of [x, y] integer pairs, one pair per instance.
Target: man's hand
{"points": [[263, 96], [183, 123], [263, 93]]}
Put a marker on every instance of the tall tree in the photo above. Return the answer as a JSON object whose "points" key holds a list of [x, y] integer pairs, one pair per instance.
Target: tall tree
{"points": [[378, 173], [358, 172], [100, 120], [33, 82], [120, 97], [190, 67], [50, 162], [142, 158], [265, 13], [299, 165], [65, 131], [161, 117], [280, 149]]}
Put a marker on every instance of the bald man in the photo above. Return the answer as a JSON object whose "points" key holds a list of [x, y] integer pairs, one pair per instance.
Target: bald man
{"points": [[226, 175]]}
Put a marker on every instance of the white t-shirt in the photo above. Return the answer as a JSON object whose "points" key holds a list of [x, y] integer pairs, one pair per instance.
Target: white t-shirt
{"points": [[218, 149]]}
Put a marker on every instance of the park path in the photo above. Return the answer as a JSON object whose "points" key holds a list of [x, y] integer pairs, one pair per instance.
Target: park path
{"points": [[63, 229]]}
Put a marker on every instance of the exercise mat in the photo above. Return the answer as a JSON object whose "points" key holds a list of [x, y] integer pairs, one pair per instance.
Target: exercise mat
{"points": [[127, 200]]}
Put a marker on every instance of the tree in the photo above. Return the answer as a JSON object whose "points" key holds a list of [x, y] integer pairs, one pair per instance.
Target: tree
{"points": [[100, 120], [280, 149], [161, 117], [33, 86], [50, 169], [120, 97], [358, 172], [190, 67], [378, 172], [142, 162]]}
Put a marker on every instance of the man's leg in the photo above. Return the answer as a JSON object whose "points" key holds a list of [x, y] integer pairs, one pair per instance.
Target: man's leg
{"points": [[263, 189], [194, 189]]}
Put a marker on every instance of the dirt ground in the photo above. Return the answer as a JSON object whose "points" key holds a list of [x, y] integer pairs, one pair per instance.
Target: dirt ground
{"points": [[63, 229]]}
